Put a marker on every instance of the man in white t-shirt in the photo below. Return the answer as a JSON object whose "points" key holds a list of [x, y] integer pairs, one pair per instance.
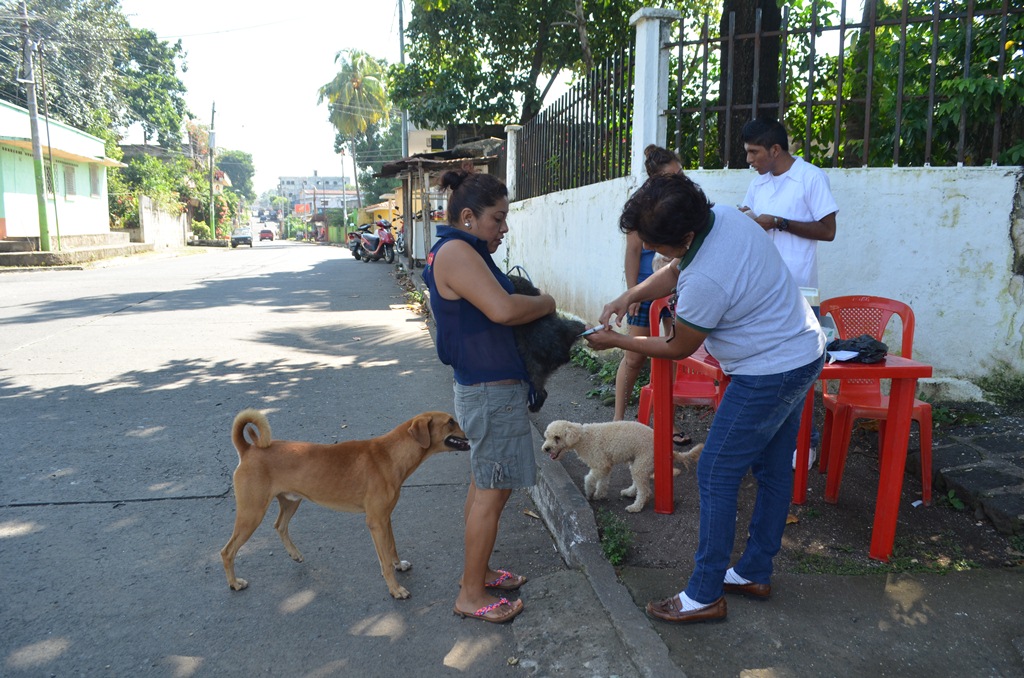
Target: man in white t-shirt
{"points": [[792, 201]]}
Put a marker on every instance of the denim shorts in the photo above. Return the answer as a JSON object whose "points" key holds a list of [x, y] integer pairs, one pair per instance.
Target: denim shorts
{"points": [[494, 417]]}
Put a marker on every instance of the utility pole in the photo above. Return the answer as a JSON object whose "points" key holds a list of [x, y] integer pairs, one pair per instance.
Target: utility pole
{"points": [[401, 48], [344, 197], [212, 145], [33, 117]]}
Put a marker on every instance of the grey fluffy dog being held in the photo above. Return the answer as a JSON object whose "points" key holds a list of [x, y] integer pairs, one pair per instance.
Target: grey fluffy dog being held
{"points": [[544, 343]]}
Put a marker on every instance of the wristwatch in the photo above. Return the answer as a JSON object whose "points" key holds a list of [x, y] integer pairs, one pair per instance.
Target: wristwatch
{"points": [[782, 225]]}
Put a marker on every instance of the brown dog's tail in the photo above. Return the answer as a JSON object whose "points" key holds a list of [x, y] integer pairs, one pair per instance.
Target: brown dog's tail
{"points": [[254, 424]]}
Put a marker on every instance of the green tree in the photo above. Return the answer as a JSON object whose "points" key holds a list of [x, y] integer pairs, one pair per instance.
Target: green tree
{"points": [[967, 80], [153, 93], [382, 143], [480, 61], [95, 67], [80, 42], [356, 97], [238, 165]]}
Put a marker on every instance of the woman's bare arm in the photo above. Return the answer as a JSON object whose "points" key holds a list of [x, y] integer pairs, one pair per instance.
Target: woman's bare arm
{"points": [[460, 273]]}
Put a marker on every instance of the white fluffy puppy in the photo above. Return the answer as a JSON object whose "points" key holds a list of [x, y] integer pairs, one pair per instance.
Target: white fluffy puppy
{"points": [[601, 446]]}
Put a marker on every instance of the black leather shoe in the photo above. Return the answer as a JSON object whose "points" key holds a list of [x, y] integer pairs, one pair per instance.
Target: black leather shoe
{"points": [[669, 610], [751, 590]]}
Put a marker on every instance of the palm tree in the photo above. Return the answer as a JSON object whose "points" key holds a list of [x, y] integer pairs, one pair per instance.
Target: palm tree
{"points": [[357, 97]]}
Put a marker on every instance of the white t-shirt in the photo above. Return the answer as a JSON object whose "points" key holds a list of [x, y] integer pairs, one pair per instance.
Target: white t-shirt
{"points": [[801, 193], [734, 286]]}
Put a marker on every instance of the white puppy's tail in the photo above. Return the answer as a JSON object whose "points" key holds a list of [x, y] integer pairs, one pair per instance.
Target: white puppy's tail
{"points": [[689, 459], [250, 425]]}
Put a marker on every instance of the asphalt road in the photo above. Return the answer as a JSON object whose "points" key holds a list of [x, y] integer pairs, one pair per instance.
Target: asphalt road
{"points": [[118, 385]]}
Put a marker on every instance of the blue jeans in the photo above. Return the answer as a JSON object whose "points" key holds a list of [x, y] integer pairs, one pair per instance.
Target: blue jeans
{"points": [[754, 428]]}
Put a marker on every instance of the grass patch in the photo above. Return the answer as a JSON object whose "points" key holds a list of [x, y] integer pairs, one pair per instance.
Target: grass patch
{"points": [[954, 416], [581, 356], [1004, 385], [952, 501], [603, 370], [940, 554], [615, 536]]}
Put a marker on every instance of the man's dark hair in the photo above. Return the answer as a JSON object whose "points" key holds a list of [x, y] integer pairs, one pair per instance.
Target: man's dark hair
{"points": [[665, 210], [765, 131]]}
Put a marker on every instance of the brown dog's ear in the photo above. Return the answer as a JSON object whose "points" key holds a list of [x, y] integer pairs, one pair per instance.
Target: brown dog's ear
{"points": [[420, 431]]}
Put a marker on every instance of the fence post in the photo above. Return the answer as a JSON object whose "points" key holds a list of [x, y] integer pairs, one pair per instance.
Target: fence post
{"points": [[512, 159], [650, 88]]}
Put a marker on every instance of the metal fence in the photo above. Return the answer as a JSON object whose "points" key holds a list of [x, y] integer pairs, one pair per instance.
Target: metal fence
{"points": [[582, 138], [913, 83]]}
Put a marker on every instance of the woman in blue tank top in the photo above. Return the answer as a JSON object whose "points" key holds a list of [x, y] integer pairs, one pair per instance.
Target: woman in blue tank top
{"points": [[475, 310]]}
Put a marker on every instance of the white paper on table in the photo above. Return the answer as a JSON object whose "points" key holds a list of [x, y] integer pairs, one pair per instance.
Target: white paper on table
{"points": [[841, 356]]}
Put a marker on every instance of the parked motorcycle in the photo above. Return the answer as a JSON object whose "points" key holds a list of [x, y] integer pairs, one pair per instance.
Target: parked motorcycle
{"points": [[379, 246], [354, 240], [400, 240]]}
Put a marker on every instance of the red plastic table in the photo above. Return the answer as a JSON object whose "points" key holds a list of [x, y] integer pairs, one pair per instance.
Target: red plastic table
{"points": [[904, 374]]}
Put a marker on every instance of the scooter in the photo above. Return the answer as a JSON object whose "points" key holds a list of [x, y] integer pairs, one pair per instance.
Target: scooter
{"points": [[379, 246], [354, 240]]}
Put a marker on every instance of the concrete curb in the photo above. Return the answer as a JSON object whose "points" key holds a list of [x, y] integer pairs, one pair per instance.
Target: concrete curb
{"points": [[63, 258], [570, 519]]}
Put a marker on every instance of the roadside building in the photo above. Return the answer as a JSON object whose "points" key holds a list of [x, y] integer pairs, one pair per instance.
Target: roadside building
{"points": [[74, 174]]}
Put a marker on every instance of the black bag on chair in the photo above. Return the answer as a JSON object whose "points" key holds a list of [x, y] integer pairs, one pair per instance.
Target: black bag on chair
{"points": [[868, 349]]}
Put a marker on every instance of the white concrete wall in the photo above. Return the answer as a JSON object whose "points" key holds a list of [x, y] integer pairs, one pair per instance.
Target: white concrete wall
{"points": [[937, 238], [159, 228]]}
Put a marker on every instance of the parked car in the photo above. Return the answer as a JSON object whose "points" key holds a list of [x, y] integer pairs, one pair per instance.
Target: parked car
{"points": [[241, 236], [266, 234]]}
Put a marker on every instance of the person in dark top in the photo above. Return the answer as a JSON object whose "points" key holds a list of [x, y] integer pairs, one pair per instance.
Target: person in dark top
{"points": [[475, 310]]}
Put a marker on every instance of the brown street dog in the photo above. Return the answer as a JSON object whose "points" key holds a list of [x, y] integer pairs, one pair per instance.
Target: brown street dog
{"points": [[357, 476]]}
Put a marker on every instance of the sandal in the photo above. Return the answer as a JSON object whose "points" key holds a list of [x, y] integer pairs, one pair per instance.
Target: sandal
{"points": [[506, 581], [482, 613], [680, 438]]}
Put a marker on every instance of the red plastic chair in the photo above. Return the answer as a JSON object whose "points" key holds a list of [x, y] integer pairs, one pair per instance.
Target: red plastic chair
{"points": [[688, 388], [862, 398]]}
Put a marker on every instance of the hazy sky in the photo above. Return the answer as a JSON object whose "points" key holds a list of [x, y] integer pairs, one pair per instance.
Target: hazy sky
{"points": [[262, 63]]}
